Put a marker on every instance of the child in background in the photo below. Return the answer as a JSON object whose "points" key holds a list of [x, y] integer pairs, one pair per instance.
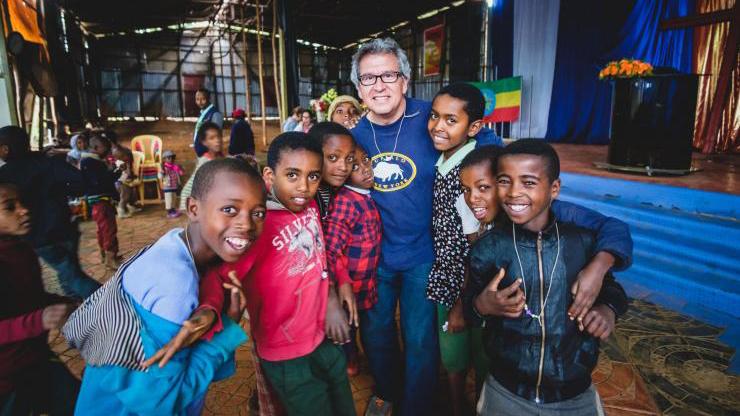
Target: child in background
{"points": [[170, 175], [241, 139], [210, 138], [32, 379], [353, 232], [127, 180], [532, 373], [345, 110], [154, 292], [291, 306], [455, 118], [100, 191], [78, 147]]}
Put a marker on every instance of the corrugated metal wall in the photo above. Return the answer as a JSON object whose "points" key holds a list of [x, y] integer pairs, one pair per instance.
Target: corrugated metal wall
{"points": [[139, 74]]}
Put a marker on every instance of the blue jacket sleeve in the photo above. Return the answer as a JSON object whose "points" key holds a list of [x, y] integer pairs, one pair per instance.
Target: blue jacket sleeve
{"points": [[487, 137], [171, 389], [612, 235]]}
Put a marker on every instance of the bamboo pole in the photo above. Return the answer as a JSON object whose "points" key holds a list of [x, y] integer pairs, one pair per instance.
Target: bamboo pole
{"points": [[283, 76], [247, 85], [275, 72], [260, 74]]}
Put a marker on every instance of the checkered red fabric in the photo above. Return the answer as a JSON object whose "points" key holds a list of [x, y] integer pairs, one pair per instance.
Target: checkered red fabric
{"points": [[353, 231]]}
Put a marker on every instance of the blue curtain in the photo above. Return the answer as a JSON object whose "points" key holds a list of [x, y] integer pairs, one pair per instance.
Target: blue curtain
{"points": [[591, 34], [501, 32]]}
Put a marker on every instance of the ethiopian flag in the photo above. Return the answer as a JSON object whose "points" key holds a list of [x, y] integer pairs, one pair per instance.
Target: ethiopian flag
{"points": [[503, 99]]}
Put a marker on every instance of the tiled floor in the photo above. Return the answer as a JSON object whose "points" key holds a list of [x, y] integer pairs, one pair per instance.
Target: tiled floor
{"points": [[658, 360]]}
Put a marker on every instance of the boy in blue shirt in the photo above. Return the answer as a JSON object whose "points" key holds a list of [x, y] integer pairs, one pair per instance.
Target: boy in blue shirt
{"points": [[145, 304]]}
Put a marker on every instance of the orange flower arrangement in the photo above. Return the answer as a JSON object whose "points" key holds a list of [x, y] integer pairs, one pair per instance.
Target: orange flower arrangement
{"points": [[626, 68]]}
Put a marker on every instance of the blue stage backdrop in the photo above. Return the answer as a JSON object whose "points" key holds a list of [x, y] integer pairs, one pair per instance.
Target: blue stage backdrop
{"points": [[592, 33]]}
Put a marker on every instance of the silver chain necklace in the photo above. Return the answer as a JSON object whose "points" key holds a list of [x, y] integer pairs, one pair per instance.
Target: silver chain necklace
{"points": [[537, 317], [394, 143]]}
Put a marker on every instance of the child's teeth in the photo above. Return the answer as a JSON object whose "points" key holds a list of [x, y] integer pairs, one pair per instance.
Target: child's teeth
{"points": [[238, 243], [518, 208]]}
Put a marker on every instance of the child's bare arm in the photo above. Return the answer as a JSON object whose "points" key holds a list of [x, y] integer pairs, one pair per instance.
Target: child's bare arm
{"points": [[588, 284], [336, 325]]}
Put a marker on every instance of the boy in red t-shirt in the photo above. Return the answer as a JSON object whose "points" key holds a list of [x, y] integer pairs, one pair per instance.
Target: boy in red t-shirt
{"points": [[291, 307]]}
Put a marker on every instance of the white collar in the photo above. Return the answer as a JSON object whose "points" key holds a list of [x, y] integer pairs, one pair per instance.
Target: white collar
{"points": [[358, 190]]}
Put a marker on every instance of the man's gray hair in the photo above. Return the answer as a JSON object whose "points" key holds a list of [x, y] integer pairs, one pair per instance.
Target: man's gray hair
{"points": [[376, 47]]}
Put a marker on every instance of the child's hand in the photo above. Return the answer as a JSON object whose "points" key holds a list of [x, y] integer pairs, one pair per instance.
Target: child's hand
{"points": [[54, 316], [347, 299], [337, 328], [238, 301], [192, 329], [588, 285], [507, 302], [599, 322], [456, 319]]}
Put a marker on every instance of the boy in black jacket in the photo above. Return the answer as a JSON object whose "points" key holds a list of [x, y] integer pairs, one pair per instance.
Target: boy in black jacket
{"points": [[100, 191], [541, 360]]}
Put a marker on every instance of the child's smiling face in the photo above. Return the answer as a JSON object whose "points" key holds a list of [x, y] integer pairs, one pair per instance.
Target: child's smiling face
{"points": [[362, 171], [14, 217], [449, 124], [295, 179], [339, 156], [525, 190], [231, 215], [479, 189]]}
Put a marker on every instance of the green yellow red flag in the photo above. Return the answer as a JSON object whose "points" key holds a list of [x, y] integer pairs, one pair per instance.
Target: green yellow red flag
{"points": [[503, 99]]}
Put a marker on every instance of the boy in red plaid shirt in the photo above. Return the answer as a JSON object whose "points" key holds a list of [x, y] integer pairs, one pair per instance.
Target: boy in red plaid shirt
{"points": [[353, 231]]}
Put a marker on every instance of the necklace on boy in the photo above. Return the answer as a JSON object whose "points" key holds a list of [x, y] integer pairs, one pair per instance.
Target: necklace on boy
{"points": [[395, 143], [187, 241], [537, 317]]}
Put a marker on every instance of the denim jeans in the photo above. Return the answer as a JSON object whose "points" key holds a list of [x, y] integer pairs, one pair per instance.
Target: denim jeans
{"points": [[63, 258], [421, 350]]}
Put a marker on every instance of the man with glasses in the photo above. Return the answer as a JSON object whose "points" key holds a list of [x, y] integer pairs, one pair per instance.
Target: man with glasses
{"points": [[394, 132]]}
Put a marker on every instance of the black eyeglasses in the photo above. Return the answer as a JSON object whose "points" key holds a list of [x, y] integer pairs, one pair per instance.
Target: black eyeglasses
{"points": [[387, 78]]}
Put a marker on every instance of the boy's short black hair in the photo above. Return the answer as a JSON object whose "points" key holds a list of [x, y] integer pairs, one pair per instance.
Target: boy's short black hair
{"points": [[206, 174], [208, 125], [322, 131], [475, 104], [17, 141], [97, 137], [291, 141], [537, 147], [204, 91], [483, 154], [8, 185]]}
